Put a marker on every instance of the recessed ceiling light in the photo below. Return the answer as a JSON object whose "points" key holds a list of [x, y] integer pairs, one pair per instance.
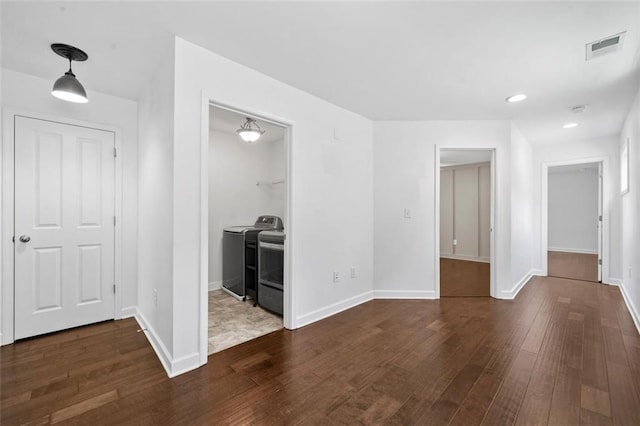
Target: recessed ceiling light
{"points": [[570, 125], [516, 98]]}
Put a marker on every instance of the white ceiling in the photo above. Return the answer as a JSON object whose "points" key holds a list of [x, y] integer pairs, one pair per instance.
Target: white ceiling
{"points": [[383, 60], [226, 121]]}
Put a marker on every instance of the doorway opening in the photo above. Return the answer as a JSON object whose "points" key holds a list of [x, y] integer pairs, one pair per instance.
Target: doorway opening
{"points": [[247, 204], [465, 221], [574, 221]]}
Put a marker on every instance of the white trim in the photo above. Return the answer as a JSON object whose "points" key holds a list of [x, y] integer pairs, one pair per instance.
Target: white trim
{"points": [[511, 294], [155, 341], [462, 257], [128, 312], [210, 98], [493, 240], [184, 364], [572, 250], [613, 281], [215, 285], [404, 294], [204, 229], [334, 308], [544, 206], [630, 306], [8, 188]]}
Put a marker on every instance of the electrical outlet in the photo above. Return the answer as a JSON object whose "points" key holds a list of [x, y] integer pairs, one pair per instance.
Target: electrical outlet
{"points": [[353, 272], [336, 276], [455, 242], [155, 297]]}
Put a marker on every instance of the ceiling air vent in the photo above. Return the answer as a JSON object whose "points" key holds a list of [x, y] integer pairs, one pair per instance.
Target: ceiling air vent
{"points": [[605, 46]]}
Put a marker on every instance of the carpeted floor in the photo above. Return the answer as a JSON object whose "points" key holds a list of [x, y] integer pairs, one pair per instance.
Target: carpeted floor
{"points": [[232, 322]]}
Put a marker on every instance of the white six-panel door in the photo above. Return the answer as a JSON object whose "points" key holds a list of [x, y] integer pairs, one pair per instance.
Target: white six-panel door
{"points": [[64, 226]]}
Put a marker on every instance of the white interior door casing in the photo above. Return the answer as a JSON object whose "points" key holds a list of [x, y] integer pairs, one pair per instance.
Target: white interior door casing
{"points": [[600, 217], [64, 202]]}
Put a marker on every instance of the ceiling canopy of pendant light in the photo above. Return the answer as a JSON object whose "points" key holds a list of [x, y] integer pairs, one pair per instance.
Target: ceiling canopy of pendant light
{"points": [[250, 131], [67, 87]]}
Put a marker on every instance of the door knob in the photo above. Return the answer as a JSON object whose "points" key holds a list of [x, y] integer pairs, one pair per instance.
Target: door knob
{"points": [[25, 238]]}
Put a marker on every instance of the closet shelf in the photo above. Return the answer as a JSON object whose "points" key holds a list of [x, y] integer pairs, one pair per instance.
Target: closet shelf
{"points": [[270, 182]]}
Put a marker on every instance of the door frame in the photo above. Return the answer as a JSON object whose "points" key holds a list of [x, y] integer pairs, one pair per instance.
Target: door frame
{"points": [[7, 314], [493, 261], [603, 197], [289, 306]]}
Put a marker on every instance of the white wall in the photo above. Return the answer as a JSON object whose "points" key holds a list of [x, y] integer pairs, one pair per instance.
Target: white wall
{"points": [[630, 269], [331, 183], [522, 206], [27, 93], [155, 204], [1, 214], [404, 177], [588, 149], [573, 211], [234, 198]]}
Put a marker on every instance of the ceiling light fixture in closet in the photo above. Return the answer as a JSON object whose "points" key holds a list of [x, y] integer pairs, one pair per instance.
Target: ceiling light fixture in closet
{"points": [[516, 98], [67, 87], [248, 132]]}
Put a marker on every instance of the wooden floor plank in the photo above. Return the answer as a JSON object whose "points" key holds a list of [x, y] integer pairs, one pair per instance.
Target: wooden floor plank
{"points": [[562, 352], [575, 266]]}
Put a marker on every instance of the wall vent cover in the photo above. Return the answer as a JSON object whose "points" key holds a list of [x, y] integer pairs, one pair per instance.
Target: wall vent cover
{"points": [[604, 46]]}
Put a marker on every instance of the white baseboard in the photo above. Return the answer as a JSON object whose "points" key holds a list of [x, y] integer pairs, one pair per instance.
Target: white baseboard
{"points": [[128, 312], [184, 364], [613, 281], [404, 294], [572, 250], [333, 309], [215, 285], [511, 294], [630, 306], [172, 367], [468, 258]]}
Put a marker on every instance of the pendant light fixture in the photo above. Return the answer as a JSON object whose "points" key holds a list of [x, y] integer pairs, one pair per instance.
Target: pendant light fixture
{"points": [[67, 87], [248, 132]]}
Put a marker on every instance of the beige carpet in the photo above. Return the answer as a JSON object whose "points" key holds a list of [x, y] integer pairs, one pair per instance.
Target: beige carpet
{"points": [[232, 322]]}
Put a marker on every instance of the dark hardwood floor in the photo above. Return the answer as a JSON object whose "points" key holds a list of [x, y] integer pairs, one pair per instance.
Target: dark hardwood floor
{"points": [[562, 353], [575, 266], [464, 278]]}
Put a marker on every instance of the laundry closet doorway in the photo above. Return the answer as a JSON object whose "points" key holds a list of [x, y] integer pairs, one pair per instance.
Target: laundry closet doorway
{"points": [[246, 222]]}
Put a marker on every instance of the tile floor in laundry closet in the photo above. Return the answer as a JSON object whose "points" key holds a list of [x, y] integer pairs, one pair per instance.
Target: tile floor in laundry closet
{"points": [[232, 322]]}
